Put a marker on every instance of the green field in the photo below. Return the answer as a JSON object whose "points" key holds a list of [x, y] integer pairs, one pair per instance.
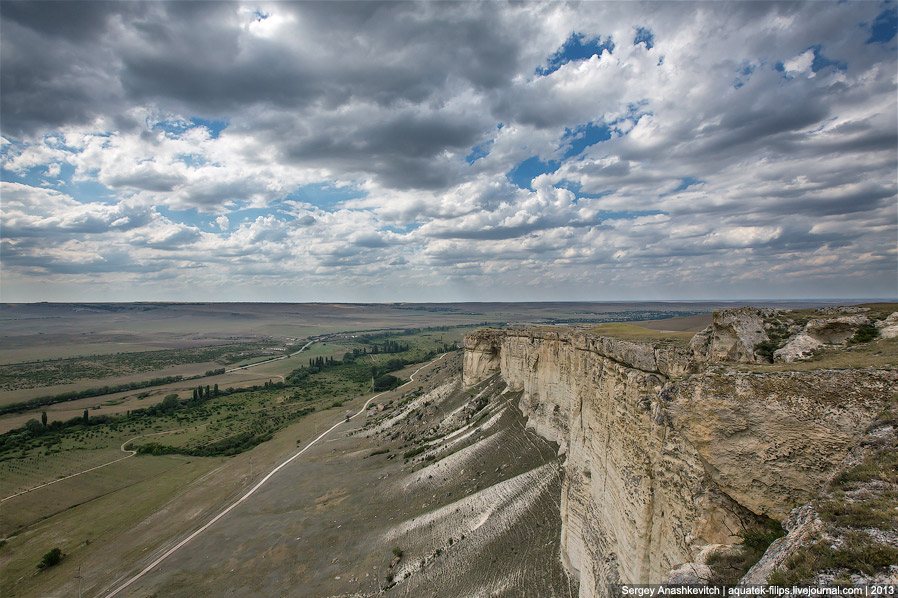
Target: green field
{"points": [[223, 422], [95, 367]]}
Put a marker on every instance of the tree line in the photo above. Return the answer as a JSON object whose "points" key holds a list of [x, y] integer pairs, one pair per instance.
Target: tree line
{"points": [[73, 395]]}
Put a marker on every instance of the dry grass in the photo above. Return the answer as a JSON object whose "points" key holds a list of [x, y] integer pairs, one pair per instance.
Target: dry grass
{"points": [[882, 353], [680, 324], [635, 333]]}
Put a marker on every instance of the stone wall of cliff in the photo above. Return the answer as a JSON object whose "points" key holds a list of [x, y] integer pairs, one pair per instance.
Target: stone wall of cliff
{"points": [[666, 453]]}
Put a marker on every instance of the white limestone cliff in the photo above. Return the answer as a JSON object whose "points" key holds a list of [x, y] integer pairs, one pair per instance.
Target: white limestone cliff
{"points": [[666, 454]]}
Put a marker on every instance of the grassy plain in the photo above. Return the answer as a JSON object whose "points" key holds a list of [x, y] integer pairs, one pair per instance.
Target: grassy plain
{"points": [[640, 334], [143, 503]]}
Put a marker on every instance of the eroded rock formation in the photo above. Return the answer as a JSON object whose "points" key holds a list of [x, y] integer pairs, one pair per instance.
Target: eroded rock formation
{"points": [[667, 453]]}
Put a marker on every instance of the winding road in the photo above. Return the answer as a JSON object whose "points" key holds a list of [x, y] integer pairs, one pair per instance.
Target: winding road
{"points": [[261, 483], [252, 365], [124, 450]]}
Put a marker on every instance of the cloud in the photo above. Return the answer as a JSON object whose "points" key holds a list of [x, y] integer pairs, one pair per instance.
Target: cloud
{"points": [[562, 149]]}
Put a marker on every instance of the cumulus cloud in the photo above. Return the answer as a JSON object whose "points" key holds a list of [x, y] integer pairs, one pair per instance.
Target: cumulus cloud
{"points": [[678, 150]]}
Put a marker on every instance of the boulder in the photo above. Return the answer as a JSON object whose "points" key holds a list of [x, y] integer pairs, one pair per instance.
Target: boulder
{"points": [[732, 336], [818, 333], [800, 347], [888, 328], [835, 331]]}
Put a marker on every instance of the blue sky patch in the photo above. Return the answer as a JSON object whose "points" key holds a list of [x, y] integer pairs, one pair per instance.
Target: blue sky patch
{"points": [[627, 214], [576, 48], [821, 61], [644, 36], [685, 183], [192, 160], [215, 127], [190, 217], [579, 138], [324, 196], [481, 150], [179, 127], [576, 188], [744, 75], [81, 191], [885, 27], [523, 173], [247, 215]]}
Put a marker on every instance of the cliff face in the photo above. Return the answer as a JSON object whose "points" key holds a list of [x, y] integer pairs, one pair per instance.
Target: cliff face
{"points": [[665, 453]]}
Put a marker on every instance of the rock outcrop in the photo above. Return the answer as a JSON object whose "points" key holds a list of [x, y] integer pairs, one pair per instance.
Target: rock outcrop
{"points": [[732, 336], [667, 453], [888, 328], [819, 333]]}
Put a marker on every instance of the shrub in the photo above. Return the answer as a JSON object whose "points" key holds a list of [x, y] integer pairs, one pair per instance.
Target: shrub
{"points": [[729, 567], [859, 553], [386, 382], [766, 349], [398, 552], [865, 333], [413, 452]]}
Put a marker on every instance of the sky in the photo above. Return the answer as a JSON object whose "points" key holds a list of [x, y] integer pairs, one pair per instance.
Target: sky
{"points": [[443, 151]]}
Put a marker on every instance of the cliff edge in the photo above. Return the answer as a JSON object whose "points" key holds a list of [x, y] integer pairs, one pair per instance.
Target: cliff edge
{"points": [[671, 449]]}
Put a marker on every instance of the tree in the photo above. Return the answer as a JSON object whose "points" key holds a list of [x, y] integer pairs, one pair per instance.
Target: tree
{"points": [[44, 417], [196, 396], [215, 390], [170, 402], [84, 418], [51, 558]]}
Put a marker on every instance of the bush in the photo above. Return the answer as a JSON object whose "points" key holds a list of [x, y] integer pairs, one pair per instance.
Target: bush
{"points": [[51, 558], [398, 552], [728, 567], [386, 382], [859, 554], [865, 333], [765, 349], [414, 452]]}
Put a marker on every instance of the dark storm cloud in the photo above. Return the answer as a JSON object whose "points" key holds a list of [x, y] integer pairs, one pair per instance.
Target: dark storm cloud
{"points": [[203, 59], [64, 19], [398, 147]]}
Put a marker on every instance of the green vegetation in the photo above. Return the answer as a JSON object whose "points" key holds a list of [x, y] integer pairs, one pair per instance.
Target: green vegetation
{"points": [[217, 421], [64, 371], [728, 567], [83, 394], [414, 452], [397, 552], [860, 501], [51, 558], [385, 382], [865, 333], [766, 349], [858, 553]]}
